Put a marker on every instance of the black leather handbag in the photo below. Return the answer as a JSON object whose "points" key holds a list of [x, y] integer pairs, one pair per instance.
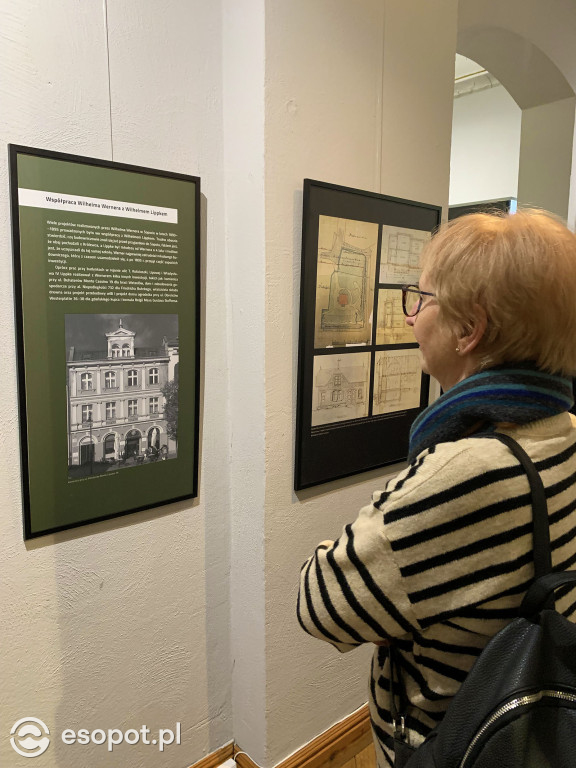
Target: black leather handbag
{"points": [[517, 706]]}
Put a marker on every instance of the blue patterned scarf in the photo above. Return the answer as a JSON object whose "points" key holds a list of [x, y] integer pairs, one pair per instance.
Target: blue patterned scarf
{"points": [[518, 394]]}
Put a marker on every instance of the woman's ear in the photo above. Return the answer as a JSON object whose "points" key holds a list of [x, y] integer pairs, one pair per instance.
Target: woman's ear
{"points": [[473, 332]]}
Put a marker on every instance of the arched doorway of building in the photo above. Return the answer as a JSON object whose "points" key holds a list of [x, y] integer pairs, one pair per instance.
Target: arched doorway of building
{"points": [[132, 443], [86, 453], [154, 438], [110, 446]]}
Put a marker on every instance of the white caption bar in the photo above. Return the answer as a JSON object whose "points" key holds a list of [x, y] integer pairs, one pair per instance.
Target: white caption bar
{"points": [[35, 198]]}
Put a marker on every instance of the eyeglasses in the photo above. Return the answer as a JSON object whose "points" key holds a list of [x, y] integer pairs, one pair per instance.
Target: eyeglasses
{"points": [[412, 298]]}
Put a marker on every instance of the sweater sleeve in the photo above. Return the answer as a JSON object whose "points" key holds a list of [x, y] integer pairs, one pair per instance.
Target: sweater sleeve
{"points": [[351, 591]]}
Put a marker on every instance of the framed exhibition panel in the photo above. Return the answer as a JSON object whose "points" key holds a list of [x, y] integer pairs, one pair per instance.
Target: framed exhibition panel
{"points": [[506, 204], [360, 384], [106, 270]]}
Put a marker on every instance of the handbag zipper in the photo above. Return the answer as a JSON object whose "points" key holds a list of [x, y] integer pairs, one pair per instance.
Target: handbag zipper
{"points": [[521, 701]]}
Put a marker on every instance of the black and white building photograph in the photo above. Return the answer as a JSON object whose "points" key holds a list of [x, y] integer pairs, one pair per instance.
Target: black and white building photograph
{"points": [[122, 391]]}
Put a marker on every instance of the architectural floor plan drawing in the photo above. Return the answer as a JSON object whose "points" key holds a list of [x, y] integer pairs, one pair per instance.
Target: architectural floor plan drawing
{"points": [[400, 258], [397, 381], [341, 387], [391, 327], [345, 278]]}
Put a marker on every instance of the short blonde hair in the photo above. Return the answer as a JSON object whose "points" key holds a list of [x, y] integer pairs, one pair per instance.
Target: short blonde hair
{"points": [[521, 269]]}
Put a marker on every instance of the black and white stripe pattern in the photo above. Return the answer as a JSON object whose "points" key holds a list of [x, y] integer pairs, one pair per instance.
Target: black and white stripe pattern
{"points": [[439, 563]]}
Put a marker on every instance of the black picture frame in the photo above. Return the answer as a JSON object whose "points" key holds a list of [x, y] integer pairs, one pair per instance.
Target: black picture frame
{"points": [[506, 205], [107, 317], [354, 444]]}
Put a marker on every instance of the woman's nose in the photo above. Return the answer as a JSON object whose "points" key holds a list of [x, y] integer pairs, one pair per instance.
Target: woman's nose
{"points": [[411, 320]]}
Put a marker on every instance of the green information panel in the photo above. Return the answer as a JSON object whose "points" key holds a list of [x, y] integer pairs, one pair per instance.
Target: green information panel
{"points": [[107, 307]]}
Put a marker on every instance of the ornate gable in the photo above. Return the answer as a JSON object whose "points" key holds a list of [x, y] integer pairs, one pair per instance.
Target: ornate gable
{"points": [[121, 342]]}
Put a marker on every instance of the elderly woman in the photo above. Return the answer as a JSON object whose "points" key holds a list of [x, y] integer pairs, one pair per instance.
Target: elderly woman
{"points": [[439, 562]]}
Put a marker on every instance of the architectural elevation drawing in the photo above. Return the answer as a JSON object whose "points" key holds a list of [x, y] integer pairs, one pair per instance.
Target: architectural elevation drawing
{"points": [[397, 380], [391, 327], [345, 278], [340, 387], [400, 257]]}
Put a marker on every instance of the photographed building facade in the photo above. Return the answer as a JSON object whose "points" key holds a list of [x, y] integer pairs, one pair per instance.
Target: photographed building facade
{"points": [[116, 409]]}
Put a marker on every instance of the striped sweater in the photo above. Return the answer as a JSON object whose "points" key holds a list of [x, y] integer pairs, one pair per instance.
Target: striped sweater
{"points": [[439, 562]]}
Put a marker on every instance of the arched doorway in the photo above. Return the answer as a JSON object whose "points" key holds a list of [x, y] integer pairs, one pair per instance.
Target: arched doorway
{"points": [[87, 452], [154, 438], [528, 48], [132, 446], [110, 446]]}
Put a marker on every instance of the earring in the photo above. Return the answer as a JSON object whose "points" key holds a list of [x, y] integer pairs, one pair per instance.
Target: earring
{"points": [[457, 349]]}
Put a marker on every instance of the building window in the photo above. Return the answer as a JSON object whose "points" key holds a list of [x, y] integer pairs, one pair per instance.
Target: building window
{"points": [[115, 350], [154, 405], [360, 394], [86, 413], [337, 379], [153, 376], [110, 411], [125, 350], [132, 407], [86, 381], [132, 378], [110, 380]]}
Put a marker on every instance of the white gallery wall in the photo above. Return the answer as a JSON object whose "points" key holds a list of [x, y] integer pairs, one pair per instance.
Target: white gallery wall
{"points": [[122, 623], [485, 146], [187, 613]]}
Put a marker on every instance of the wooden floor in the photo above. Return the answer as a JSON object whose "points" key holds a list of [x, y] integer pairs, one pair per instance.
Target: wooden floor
{"points": [[364, 759]]}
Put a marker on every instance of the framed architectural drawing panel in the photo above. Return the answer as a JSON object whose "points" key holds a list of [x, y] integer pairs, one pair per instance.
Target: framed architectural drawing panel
{"points": [[106, 265], [359, 380]]}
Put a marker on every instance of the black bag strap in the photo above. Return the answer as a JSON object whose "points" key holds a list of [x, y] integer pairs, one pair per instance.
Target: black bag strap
{"points": [[540, 593], [540, 525], [397, 689]]}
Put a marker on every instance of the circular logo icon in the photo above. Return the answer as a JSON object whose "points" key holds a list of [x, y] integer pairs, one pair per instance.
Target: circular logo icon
{"points": [[30, 737]]}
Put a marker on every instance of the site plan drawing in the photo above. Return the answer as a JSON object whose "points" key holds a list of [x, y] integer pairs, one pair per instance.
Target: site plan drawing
{"points": [[397, 381], [400, 255], [345, 278], [391, 327], [341, 387]]}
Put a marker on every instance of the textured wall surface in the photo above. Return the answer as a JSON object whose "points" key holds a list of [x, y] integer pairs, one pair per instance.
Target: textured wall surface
{"points": [[122, 623], [246, 248], [355, 107], [547, 142]]}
